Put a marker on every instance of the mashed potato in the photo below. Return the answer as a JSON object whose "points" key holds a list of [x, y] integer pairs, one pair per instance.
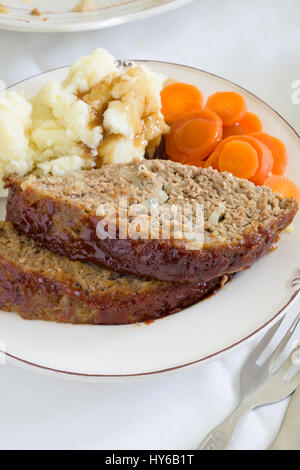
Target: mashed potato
{"points": [[99, 114], [15, 122], [65, 126]]}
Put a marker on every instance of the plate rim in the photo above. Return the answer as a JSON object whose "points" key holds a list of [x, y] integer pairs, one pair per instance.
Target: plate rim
{"points": [[45, 27], [295, 283], [205, 360]]}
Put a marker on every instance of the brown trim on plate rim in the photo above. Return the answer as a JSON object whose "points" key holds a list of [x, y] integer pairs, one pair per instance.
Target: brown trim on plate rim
{"points": [[294, 283], [92, 18], [51, 12]]}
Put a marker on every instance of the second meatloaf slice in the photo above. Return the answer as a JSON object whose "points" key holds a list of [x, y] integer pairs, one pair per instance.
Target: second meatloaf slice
{"points": [[38, 284], [241, 220]]}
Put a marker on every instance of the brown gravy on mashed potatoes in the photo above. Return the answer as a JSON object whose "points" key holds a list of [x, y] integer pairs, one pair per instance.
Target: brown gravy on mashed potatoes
{"points": [[101, 113]]}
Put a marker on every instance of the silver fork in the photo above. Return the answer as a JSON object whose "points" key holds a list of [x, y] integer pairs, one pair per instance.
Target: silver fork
{"points": [[261, 384]]}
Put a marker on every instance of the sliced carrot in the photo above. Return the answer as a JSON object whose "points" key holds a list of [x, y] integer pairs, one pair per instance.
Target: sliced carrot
{"points": [[200, 114], [178, 99], [194, 161], [198, 133], [265, 164], [228, 105], [265, 157], [284, 186], [171, 149], [239, 158], [197, 162], [194, 136], [278, 150], [250, 123], [177, 156], [213, 161]]}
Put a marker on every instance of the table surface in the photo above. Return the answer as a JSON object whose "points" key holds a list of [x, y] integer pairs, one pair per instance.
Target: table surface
{"points": [[253, 43]]}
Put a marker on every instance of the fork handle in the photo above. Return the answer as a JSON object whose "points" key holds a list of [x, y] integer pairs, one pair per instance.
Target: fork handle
{"points": [[220, 437]]}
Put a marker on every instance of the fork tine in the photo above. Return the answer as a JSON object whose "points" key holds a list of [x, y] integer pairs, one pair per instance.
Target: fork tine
{"points": [[267, 338], [284, 341], [286, 366], [261, 346]]}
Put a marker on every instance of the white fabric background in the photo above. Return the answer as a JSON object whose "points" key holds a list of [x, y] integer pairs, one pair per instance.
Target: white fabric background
{"points": [[255, 43]]}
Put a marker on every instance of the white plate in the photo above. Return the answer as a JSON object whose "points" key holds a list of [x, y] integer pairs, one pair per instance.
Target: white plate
{"points": [[201, 333], [58, 15]]}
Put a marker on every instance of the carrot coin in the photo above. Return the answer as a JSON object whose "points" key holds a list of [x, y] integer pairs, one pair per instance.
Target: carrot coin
{"points": [[250, 123], [278, 150], [178, 99], [172, 150], [197, 133], [284, 186], [228, 105], [194, 136], [213, 161], [265, 157], [239, 158]]}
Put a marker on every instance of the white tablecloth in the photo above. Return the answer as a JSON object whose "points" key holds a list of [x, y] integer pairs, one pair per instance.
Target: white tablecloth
{"points": [[254, 43]]}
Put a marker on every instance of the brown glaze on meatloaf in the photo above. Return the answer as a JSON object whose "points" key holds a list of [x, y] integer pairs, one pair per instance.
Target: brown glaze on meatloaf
{"points": [[241, 221], [38, 284]]}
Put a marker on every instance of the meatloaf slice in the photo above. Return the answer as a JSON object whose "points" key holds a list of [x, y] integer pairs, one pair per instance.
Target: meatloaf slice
{"points": [[241, 220], [38, 284]]}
